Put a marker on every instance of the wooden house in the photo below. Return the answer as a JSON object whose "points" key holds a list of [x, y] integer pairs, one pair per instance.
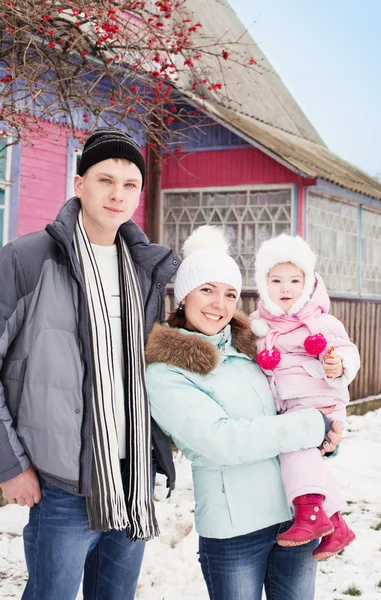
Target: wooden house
{"points": [[257, 167]]}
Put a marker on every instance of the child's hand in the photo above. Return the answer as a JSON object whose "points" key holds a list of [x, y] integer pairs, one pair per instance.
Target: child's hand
{"points": [[333, 367]]}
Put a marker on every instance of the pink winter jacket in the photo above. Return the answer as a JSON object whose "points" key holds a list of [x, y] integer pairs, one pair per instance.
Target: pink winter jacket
{"points": [[299, 378]]}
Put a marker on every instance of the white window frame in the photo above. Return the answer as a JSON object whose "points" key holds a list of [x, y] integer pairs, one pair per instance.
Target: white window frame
{"points": [[5, 184], [363, 294], [72, 171]]}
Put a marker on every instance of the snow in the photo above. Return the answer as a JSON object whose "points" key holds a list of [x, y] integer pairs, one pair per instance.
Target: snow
{"points": [[170, 569]]}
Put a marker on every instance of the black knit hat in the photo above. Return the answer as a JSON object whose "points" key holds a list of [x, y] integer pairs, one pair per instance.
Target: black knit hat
{"points": [[108, 142]]}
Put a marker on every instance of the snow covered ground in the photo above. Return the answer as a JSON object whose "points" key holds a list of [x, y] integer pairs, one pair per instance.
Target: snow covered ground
{"points": [[170, 569]]}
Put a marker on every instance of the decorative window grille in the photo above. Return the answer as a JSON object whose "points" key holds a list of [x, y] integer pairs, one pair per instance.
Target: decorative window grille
{"points": [[371, 254], [247, 216], [5, 181], [334, 233]]}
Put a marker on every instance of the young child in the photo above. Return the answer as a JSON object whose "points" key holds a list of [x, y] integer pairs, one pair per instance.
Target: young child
{"points": [[309, 361]]}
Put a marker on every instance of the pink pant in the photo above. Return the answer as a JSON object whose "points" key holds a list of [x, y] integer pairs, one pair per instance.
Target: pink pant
{"points": [[305, 472]]}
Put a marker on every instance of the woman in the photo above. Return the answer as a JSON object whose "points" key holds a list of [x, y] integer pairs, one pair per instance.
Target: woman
{"points": [[207, 392]]}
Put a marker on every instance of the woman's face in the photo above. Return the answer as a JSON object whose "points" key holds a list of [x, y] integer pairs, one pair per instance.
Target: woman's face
{"points": [[210, 307]]}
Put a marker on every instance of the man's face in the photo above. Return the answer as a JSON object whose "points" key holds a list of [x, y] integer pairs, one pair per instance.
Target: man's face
{"points": [[109, 192]]}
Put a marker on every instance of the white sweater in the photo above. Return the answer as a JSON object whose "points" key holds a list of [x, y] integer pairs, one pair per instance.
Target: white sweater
{"points": [[107, 261]]}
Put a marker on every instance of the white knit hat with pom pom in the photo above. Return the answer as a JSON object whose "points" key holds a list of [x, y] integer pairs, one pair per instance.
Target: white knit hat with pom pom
{"points": [[206, 260]]}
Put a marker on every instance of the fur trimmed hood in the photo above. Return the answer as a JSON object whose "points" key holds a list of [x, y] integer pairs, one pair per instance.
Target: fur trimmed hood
{"points": [[282, 249], [262, 320], [193, 352]]}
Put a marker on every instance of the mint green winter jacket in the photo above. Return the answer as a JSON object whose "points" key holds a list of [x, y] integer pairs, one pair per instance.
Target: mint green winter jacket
{"points": [[209, 395]]}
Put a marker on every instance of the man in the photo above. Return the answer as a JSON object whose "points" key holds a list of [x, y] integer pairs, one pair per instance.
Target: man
{"points": [[76, 304]]}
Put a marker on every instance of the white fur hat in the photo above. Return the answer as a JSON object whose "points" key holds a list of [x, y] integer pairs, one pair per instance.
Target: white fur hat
{"points": [[206, 260], [282, 249]]}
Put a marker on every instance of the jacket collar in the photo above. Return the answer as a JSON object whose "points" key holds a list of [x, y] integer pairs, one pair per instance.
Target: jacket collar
{"points": [[143, 253], [197, 352]]}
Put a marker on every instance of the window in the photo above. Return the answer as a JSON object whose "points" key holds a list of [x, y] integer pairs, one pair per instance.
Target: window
{"points": [[347, 240], [247, 216], [5, 181], [333, 233], [371, 254]]}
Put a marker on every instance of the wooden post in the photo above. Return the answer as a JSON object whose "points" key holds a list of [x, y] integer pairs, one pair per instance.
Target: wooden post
{"points": [[154, 173], [3, 500]]}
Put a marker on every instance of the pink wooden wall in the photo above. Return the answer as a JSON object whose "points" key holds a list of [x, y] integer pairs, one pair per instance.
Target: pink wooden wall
{"points": [[43, 180], [232, 167]]}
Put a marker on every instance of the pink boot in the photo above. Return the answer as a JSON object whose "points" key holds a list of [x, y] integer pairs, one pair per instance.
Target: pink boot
{"points": [[336, 541], [310, 522]]}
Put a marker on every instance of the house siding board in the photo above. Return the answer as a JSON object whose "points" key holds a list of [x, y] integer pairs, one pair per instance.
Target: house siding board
{"points": [[301, 211], [140, 213], [220, 168], [43, 179], [80, 121], [201, 133]]}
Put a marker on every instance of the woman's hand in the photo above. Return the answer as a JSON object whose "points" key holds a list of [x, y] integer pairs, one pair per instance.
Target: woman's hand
{"points": [[327, 409], [335, 436]]}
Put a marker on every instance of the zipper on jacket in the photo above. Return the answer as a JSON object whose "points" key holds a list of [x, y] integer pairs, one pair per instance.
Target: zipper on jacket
{"points": [[223, 346], [153, 278], [226, 489]]}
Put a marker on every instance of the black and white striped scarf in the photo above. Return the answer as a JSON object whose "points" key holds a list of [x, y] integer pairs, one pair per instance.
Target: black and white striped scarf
{"points": [[118, 500]]}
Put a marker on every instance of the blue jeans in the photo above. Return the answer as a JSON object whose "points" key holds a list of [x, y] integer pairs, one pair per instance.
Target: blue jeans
{"points": [[59, 548], [238, 568]]}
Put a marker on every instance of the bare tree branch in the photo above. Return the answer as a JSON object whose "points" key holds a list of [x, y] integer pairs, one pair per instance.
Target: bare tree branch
{"points": [[84, 62]]}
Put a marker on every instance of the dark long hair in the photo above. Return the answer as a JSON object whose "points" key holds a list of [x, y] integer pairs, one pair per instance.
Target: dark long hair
{"points": [[176, 319]]}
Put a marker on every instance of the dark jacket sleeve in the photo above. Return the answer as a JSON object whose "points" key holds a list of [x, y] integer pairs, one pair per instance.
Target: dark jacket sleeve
{"points": [[161, 309], [13, 459]]}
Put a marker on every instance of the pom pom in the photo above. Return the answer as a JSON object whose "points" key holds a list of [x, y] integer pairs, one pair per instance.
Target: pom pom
{"points": [[206, 237], [268, 359], [315, 344], [259, 327]]}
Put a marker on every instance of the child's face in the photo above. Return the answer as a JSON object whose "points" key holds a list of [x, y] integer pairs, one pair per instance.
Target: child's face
{"points": [[285, 283]]}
